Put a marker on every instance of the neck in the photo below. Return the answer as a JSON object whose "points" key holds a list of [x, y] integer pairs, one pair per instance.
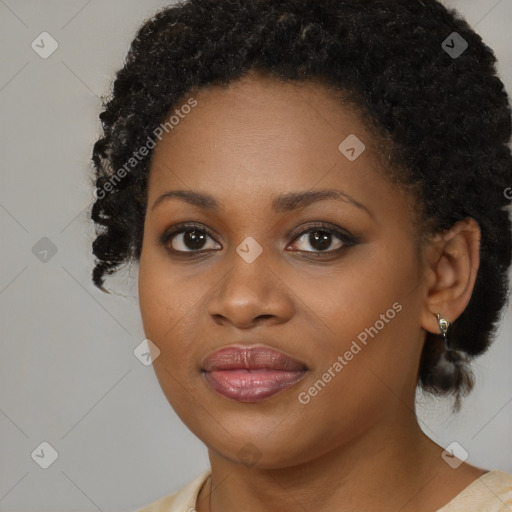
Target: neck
{"points": [[392, 466]]}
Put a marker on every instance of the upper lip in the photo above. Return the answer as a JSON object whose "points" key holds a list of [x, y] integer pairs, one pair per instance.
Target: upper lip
{"points": [[234, 357]]}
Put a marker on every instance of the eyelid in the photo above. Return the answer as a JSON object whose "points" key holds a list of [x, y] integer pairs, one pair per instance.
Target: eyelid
{"points": [[319, 224], [185, 226]]}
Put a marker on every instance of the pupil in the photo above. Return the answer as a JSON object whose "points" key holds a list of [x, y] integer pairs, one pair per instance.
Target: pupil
{"points": [[318, 241], [194, 239]]}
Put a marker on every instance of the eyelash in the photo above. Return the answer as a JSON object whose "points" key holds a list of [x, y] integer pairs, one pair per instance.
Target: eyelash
{"points": [[347, 239]]}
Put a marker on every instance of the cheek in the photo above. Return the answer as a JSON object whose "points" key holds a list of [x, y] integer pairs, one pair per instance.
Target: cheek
{"points": [[166, 310], [365, 313], [164, 302], [352, 297], [153, 305]]}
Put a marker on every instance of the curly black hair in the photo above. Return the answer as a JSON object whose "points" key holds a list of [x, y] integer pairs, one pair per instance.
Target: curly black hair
{"points": [[445, 116]]}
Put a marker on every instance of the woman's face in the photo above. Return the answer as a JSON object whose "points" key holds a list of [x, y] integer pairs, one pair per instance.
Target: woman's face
{"points": [[347, 305]]}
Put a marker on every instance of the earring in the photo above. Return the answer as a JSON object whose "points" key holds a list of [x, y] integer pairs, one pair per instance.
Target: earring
{"points": [[443, 328]]}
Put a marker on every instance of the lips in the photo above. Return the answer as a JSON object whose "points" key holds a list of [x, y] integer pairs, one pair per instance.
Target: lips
{"points": [[250, 358], [249, 374]]}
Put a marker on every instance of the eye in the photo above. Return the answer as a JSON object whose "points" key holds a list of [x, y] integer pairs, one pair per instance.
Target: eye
{"points": [[188, 238], [319, 236], [323, 238]]}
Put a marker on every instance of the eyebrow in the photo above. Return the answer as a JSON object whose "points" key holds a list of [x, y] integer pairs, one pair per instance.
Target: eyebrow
{"points": [[283, 203]]}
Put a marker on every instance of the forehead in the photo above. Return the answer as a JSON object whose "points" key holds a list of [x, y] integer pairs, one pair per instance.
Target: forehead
{"points": [[259, 137], [260, 126]]}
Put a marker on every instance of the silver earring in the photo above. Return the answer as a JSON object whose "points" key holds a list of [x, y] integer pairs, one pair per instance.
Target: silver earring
{"points": [[443, 328]]}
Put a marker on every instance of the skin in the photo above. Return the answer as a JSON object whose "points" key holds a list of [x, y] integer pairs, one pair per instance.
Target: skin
{"points": [[357, 444]]}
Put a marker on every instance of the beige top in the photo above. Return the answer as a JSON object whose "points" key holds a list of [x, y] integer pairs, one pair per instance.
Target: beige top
{"points": [[492, 492]]}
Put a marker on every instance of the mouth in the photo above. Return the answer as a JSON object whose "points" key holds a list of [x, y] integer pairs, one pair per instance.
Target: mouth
{"points": [[250, 374]]}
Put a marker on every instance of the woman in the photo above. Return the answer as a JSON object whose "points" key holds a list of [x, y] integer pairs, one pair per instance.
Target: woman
{"points": [[314, 192]]}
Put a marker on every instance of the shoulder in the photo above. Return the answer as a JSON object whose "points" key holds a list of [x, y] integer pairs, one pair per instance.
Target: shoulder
{"points": [[183, 500], [492, 492]]}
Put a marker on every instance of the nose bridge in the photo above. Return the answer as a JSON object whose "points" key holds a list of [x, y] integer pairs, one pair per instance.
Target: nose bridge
{"points": [[250, 288], [248, 279]]}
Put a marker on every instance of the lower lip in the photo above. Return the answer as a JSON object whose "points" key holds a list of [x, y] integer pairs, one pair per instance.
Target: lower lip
{"points": [[251, 385]]}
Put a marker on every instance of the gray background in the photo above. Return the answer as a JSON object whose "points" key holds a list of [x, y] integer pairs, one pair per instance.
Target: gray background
{"points": [[68, 374]]}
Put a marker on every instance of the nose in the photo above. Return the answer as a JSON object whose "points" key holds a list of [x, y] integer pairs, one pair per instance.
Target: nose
{"points": [[251, 294]]}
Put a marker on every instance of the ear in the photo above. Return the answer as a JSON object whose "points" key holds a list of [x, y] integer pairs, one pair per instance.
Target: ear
{"points": [[452, 261]]}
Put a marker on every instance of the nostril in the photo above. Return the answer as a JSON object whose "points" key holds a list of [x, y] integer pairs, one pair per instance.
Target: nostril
{"points": [[265, 316]]}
